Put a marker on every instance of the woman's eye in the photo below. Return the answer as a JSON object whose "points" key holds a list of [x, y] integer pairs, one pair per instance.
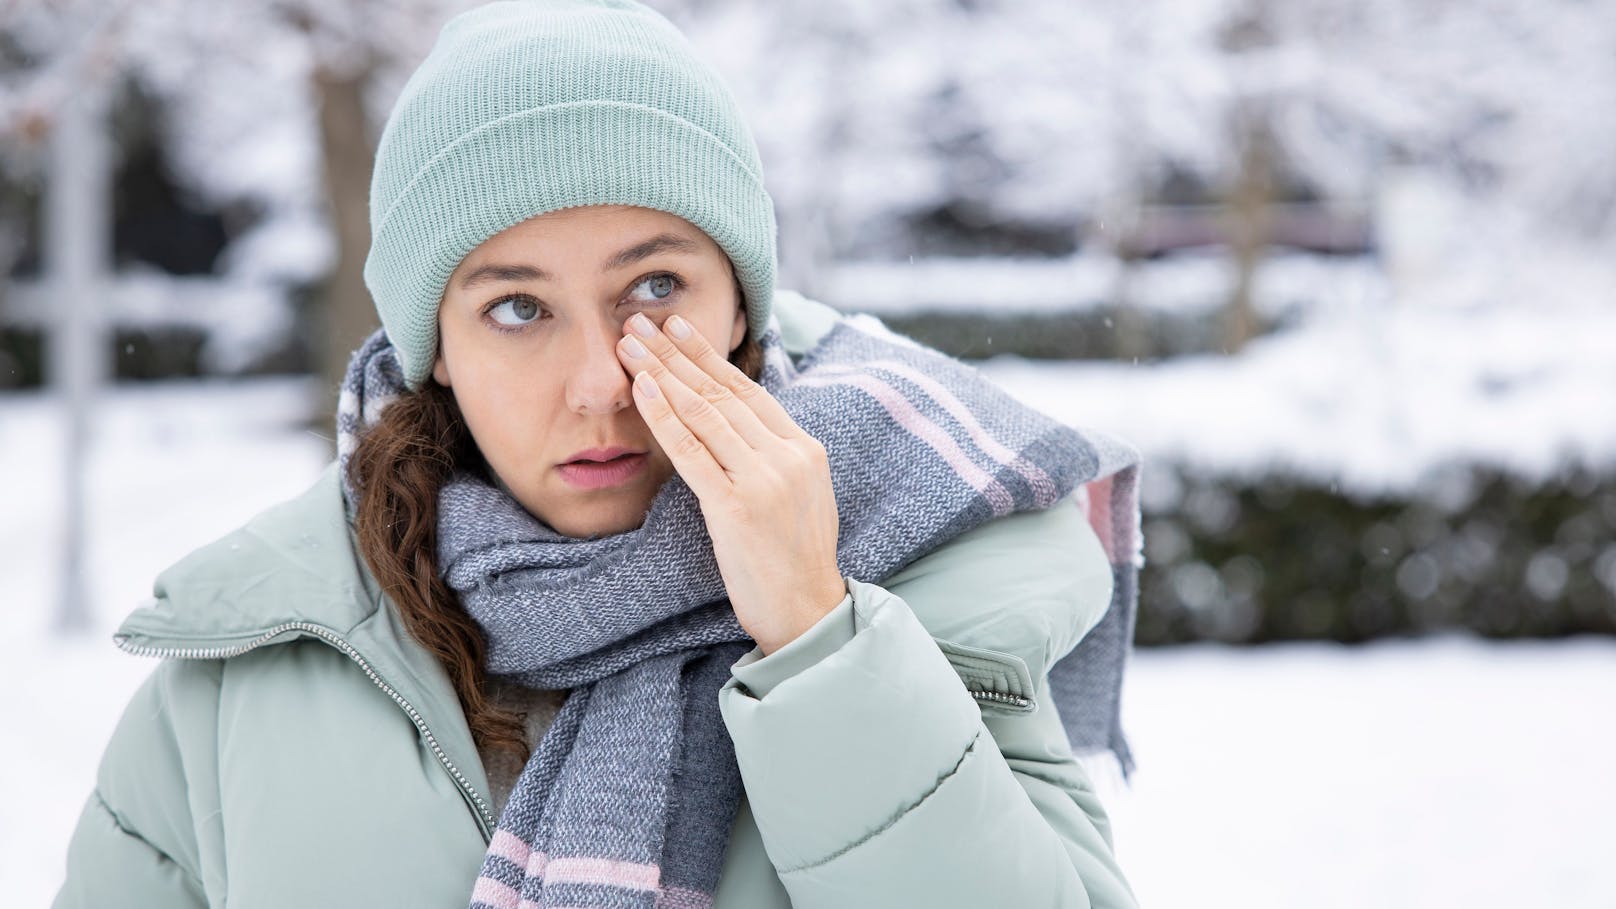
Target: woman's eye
{"points": [[514, 311], [661, 286]]}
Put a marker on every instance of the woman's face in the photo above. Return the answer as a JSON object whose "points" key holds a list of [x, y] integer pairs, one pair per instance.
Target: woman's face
{"points": [[528, 333]]}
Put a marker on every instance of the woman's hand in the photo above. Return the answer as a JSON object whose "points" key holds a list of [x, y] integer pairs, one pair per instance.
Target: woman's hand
{"points": [[763, 483]]}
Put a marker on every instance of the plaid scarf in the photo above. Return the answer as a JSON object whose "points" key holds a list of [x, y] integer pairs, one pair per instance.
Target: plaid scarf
{"points": [[629, 798]]}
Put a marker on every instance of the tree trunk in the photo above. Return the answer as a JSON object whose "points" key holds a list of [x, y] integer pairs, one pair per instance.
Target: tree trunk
{"points": [[345, 315], [1250, 217]]}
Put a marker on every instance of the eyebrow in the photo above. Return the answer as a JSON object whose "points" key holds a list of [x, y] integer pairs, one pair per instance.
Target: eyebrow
{"points": [[496, 272]]}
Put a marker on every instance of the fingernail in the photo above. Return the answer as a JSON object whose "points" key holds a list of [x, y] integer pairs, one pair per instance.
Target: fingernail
{"points": [[645, 384], [642, 326], [677, 327], [633, 347]]}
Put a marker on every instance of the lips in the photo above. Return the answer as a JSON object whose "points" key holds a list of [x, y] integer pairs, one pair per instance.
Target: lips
{"points": [[602, 468], [600, 454]]}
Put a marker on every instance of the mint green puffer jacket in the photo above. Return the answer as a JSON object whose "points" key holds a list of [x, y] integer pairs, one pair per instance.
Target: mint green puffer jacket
{"points": [[296, 747]]}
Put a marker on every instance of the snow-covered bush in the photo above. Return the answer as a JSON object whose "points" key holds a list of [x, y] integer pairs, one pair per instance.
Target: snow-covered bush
{"points": [[1284, 558]]}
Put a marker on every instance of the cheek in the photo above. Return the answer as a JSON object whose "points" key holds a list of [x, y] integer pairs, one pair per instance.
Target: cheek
{"points": [[509, 419], [716, 322]]}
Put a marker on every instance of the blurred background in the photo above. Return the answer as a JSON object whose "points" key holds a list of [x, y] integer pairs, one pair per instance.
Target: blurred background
{"points": [[1344, 272]]}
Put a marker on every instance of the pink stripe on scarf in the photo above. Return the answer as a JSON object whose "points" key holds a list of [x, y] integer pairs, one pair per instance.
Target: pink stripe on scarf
{"points": [[495, 894], [901, 410], [1111, 508], [1042, 486], [509, 847], [1100, 516], [631, 875]]}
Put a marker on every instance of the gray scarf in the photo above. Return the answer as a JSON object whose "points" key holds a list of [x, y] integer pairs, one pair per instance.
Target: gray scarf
{"points": [[629, 797]]}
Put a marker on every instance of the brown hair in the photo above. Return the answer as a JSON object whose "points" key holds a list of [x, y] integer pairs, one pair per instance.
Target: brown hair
{"points": [[397, 469]]}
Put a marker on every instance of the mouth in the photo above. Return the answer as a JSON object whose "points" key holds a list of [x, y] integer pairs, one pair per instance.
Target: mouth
{"points": [[602, 468]]}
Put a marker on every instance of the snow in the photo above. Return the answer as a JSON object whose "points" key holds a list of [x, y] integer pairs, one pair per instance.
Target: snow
{"points": [[173, 465], [1375, 386], [1443, 772], [241, 318], [1447, 771], [1189, 283], [866, 114], [1368, 395]]}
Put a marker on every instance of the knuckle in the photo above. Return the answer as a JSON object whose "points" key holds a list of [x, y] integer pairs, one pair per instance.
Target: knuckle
{"points": [[713, 391], [663, 349], [698, 410], [688, 445], [717, 364], [811, 450]]}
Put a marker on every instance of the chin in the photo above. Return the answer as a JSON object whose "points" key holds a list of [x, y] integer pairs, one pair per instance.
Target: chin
{"points": [[624, 511]]}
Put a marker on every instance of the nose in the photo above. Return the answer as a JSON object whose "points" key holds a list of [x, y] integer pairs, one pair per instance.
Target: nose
{"points": [[596, 383]]}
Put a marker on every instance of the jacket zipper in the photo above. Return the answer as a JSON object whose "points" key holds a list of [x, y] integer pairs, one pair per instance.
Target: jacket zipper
{"points": [[1000, 697], [219, 653]]}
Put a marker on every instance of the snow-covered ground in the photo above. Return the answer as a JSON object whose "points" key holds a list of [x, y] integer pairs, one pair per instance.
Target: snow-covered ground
{"points": [[1440, 773], [1446, 772]]}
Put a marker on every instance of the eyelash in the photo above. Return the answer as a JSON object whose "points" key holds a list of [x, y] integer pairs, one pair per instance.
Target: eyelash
{"points": [[678, 287]]}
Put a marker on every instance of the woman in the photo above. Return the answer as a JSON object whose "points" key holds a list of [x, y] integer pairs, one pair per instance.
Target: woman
{"points": [[637, 581]]}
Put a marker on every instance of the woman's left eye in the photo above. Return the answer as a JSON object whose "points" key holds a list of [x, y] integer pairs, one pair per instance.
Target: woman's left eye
{"points": [[662, 286]]}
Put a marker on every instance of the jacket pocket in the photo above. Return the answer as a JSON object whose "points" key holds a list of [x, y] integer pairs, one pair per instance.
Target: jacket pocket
{"points": [[997, 680]]}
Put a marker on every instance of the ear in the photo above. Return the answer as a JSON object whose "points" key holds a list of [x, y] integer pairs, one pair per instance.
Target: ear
{"points": [[440, 371], [737, 334]]}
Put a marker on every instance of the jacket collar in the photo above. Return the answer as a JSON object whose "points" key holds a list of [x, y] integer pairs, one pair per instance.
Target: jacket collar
{"points": [[295, 571], [295, 562]]}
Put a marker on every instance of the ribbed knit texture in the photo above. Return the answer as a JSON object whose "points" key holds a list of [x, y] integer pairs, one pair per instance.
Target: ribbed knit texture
{"points": [[629, 799], [529, 106]]}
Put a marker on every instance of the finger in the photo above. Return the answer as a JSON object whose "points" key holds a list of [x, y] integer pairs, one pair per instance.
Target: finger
{"points": [[743, 419], [732, 451], [736, 387], [687, 453]]}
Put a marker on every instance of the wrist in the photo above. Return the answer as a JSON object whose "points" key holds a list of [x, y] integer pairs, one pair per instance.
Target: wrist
{"points": [[805, 614]]}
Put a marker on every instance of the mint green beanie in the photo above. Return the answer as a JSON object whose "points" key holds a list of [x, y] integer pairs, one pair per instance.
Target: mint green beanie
{"points": [[528, 106]]}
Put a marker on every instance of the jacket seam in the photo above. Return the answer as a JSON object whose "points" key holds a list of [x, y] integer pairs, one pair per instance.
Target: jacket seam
{"points": [[1067, 786], [897, 816], [123, 827]]}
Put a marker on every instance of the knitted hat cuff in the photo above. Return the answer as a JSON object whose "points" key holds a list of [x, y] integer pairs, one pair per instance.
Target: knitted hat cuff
{"points": [[505, 172]]}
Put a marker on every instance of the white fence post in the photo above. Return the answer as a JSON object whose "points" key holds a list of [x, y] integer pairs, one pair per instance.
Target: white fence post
{"points": [[77, 256]]}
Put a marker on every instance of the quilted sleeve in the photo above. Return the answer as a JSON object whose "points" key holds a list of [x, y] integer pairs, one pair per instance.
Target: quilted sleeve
{"points": [[875, 781], [134, 844]]}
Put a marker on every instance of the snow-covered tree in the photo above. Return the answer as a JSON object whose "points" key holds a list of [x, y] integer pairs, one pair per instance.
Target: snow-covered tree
{"points": [[871, 116]]}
